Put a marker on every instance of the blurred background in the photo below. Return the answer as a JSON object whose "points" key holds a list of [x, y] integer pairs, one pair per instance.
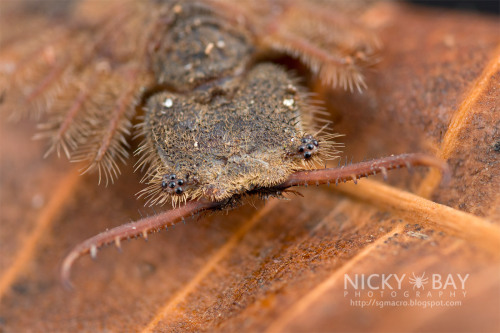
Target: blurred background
{"points": [[488, 6]]}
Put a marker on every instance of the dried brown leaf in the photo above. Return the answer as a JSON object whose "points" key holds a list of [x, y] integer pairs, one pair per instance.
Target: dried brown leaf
{"points": [[281, 267]]}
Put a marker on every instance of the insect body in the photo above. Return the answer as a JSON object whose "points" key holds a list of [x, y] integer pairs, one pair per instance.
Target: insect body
{"points": [[219, 120], [87, 80], [224, 123], [231, 139]]}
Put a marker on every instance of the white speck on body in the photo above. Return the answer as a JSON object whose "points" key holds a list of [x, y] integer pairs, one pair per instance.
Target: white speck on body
{"points": [[209, 48], [168, 103], [188, 66], [220, 44], [288, 102], [196, 144], [93, 251]]}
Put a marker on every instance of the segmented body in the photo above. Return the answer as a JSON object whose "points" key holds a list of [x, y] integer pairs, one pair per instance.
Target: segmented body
{"points": [[217, 117]]}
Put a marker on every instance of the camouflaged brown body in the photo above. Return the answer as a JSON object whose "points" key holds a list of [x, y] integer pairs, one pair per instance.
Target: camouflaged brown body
{"points": [[197, 45], [225, 140], [233, 131], [89, 78]]}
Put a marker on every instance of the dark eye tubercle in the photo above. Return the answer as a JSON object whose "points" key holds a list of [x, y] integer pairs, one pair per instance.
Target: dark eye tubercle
{"points": [[308, 147], [172, 184]]}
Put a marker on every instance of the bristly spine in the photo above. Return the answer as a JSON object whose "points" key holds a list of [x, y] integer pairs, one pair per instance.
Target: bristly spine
{"points": [[83, 95]]}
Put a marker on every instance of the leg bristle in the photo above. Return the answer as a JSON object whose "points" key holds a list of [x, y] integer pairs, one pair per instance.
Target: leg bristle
{"points": [[128, 230], [384, 173], [362, 169], [93, 251], [118, 244]]}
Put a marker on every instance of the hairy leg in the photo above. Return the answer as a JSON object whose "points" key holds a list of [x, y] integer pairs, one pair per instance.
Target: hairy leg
{"points": [[151, 224], [364, 169], [142, 227]]}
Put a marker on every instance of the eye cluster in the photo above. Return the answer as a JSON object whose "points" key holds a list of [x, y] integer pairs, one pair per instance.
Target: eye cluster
{"points": [[173, 184], [309, 146]]}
